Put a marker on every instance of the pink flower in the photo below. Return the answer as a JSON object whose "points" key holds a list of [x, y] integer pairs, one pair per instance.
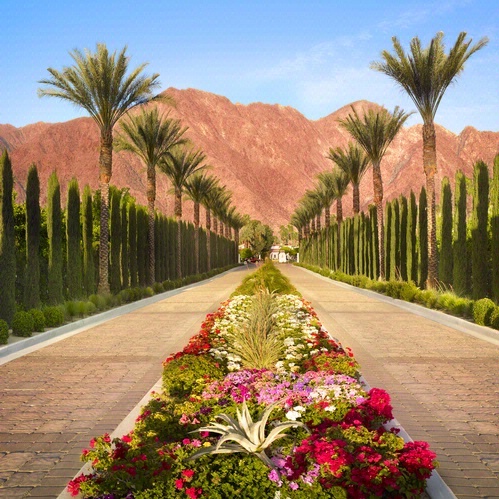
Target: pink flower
{"points": [[179, 484], [188, 473], [193, 493]]}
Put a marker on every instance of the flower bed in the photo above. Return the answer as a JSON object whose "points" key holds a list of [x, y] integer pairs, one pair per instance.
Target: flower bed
{"points": [[304, 426]]}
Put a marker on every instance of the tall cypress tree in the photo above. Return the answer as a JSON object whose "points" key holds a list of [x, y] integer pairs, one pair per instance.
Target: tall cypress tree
{"points": [[7, 242], [479, 238], [423, 238], [132, 239], [73, 242], [403, 237], [33, 226], [494, 228], [88, 250], [141, 245], [446, 256], [460, 272], [412, 254], [125, 272], [374, 243], [115, 239], [356, 244], [54, 230], [395, 241], [388, 240]]}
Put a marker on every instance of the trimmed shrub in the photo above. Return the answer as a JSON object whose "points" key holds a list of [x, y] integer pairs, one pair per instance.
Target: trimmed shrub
{"points": [[23, 324], [38, 320], [54, 316], [99, 301], [182, 375], [494, 318], [482, 311], [158, 287], [4, 332], [90, 308]]}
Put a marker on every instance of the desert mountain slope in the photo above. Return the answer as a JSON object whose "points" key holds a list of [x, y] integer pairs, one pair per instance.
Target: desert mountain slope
{"points": [[267, 155]]}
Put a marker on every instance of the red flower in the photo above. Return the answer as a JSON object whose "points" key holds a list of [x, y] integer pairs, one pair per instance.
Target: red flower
{"points": [[179, 484], [188, 473], [193, 493]]}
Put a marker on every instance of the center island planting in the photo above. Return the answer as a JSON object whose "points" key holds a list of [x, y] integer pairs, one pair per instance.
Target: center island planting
{"points": [[261, 403]]}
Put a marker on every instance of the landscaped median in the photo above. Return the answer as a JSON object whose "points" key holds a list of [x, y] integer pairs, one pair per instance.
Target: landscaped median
{"points": [[262, 403]]}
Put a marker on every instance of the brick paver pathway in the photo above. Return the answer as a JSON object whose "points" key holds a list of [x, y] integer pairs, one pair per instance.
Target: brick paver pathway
{"points": [[444, 383], [54, 400]]}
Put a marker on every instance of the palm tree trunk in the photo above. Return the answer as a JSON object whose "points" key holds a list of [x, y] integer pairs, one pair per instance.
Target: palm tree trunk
{"points": [[196, 235], [318, 222], [356, 199], [178, 216], [430, 169], [312, 225], [378, 201], [208, 239], [151, 199], [339, 220], [105, 171], [236, 238]]}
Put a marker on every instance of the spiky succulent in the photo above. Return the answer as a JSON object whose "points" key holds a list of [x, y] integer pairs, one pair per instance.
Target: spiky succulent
{"points": [[244, 435]]}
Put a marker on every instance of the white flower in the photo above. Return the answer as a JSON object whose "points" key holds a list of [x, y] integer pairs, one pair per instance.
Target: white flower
{"points": [[330, 408], [293, 415]]}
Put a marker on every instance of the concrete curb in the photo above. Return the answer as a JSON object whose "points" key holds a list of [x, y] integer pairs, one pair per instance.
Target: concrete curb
{"points": [[123, 428], [41, 340], [481, 332]]}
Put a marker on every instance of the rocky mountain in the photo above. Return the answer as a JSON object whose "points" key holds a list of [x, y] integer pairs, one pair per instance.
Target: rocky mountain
{"points": [[267, 155]]}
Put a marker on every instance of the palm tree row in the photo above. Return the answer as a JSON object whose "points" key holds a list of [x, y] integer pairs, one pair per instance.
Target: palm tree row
{"points": [[425, 74], [99, 83]]}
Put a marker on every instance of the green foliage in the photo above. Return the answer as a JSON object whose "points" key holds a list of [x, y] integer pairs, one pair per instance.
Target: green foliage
{"points": [[258, 236], [494, 318], [403, 237], [73, 237], [423, 238], [4, 332], [54, 227], [412, 255], [125, 272], [142, 254], [54, 316], [388, 240], [245, 253], [446, 256], [480, 256], [269, 277], [494, 229], [115, 239], [7, 241], [132, 241], [258, 343], [189, 374], [23, 324], [38, 320], [33, 226], [482, 311], [459, 246], [87, 235]]}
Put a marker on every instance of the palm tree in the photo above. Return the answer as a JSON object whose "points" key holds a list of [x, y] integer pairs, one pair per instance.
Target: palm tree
{"points": [[354, 163], [327, 193], [150, 136], [198, 187], [179, 165], [99, 83], [374, 132], [425, 75], [216, 198]]}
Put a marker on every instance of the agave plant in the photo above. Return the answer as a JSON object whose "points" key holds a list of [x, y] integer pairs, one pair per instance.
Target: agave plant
{"points": [[244, 435]]}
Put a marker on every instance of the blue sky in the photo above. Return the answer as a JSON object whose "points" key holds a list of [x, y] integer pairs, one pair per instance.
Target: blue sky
{"points": [[313, 55]]}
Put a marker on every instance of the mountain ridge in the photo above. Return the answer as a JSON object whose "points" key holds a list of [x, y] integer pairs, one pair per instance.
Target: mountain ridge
{"points": [[266, 154]]}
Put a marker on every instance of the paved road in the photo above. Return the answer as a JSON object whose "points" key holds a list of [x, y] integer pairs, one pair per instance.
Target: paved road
{"points": [[444, 384], [53, 401]]}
